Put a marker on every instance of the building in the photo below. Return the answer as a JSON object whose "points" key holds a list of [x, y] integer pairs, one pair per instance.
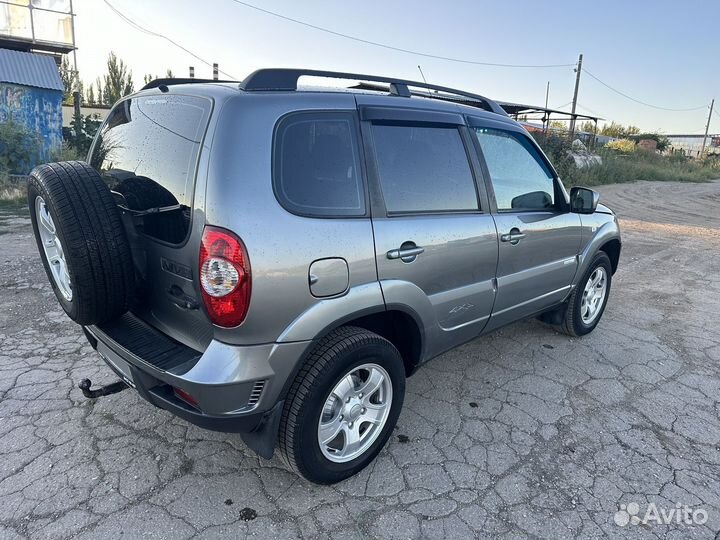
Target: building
{"points": [[37, 25], [34, 34], [692, 145], [31, 94]]}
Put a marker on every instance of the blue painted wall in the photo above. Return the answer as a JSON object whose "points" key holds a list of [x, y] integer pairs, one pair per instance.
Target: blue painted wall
{"points": [[39, 109]]}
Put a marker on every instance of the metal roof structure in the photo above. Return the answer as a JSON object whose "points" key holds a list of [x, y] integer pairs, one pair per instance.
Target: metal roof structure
{"points": [[29, 69], [519, 109]]}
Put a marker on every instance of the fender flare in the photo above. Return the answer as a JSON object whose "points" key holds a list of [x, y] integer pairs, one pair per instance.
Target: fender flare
{"points": [[607, 232]]}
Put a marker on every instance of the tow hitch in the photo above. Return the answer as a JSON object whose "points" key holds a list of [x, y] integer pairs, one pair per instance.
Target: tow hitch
{"points": [[106, 390]]}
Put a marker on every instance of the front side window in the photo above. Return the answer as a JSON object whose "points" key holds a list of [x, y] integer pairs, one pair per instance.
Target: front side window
{"points": [[520, 179], [317, 165], [423, 169]]}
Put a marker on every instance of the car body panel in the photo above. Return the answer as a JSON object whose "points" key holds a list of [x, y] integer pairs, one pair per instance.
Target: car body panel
{"points": [[537, 272]]}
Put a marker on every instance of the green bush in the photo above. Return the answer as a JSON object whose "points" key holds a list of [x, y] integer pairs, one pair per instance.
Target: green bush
{"points": [[557, 149], [11, 191], [624, 146], [617, 167], [20, 148]]}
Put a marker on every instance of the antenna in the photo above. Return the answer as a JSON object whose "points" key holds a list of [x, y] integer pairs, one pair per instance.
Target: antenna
{"points": [[422, 74]]}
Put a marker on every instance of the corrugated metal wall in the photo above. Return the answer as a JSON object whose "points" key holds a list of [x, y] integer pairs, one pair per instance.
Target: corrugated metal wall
{"points": [[39, 109]]}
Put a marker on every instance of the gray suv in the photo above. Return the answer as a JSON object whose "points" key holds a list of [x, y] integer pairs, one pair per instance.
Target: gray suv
{"points": [[261, 258]]}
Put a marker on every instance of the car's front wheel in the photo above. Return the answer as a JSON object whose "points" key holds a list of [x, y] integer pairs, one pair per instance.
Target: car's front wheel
{"points": [[343, 405], [587, 302]]}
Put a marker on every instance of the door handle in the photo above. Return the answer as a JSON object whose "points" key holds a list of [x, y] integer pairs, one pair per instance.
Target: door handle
{"points": [[182, 300], [408, 252], [514, 236]]}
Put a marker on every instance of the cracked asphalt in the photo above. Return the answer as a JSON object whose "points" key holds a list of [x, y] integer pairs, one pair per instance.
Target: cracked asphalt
{"points": [[521, 433]]}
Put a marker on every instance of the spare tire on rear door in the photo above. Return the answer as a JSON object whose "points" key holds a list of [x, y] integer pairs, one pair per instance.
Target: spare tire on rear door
{"points": [[82, 241]]}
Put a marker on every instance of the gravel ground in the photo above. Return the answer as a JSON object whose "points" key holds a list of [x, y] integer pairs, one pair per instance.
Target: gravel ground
{"points": [[521, 433]]}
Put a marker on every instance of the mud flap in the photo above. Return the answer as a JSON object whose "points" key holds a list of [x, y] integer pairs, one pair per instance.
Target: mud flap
{"points": [[263, 439]]}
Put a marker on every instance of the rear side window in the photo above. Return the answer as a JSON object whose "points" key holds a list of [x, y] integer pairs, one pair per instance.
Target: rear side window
{"points": [[316, 168], [423, 169], [147, 151]]}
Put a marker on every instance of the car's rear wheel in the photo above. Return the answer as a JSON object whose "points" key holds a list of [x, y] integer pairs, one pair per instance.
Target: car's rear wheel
{"points": [[586, 305], [82, 241], [343, 405]]}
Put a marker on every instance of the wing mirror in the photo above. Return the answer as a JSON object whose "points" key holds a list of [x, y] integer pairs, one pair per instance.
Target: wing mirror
{"points": [[583, 200]]}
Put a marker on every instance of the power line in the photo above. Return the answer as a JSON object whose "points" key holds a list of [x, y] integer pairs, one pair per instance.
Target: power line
{"points": [[135, 25], [392, 47], [589, 110], [639, 101]]}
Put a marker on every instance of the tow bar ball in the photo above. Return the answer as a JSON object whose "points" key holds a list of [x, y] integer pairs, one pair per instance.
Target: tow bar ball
{"points": [[113, 388]]}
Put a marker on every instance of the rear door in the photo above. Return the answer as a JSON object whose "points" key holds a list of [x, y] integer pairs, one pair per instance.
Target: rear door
{"points": [[436, 244], [539, 237], [148, 151]]}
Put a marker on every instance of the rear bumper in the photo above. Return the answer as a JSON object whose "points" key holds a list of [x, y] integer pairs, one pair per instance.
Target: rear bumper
{"points": [[233, 388]]}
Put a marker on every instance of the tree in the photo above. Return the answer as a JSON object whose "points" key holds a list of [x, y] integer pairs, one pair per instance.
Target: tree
{"points": [[90, 95], [615, 129], [100, 91], [69, 79], [588, 126], [118, 80], [150, 77], [88, 128], [662, 141]]}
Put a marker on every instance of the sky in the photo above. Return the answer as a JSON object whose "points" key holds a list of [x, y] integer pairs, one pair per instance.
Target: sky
{"points": [[665, 53]]}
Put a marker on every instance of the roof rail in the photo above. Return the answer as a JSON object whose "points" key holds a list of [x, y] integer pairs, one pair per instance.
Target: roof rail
{"points": [[284, 79], [155, 83]]}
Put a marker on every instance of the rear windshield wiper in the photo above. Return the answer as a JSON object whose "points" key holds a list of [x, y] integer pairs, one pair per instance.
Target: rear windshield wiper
{"points": [[121, 203], [149, 211]]}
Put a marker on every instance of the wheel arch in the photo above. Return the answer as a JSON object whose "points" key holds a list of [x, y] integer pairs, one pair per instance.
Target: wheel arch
{"points": [[606, 239], [612, 248], [400, 327]]}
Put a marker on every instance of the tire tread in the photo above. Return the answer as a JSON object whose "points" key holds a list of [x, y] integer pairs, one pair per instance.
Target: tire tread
{"points": [[326, 350], [93, 236]]}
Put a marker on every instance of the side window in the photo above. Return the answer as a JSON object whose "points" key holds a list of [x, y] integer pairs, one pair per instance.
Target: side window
{"points": [[316, 169], [423, 169], [520, 179]]}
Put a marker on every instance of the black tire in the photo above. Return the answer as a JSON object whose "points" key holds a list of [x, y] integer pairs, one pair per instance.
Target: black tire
{"points": [[572, 323], [90, 230], [333, 357]]}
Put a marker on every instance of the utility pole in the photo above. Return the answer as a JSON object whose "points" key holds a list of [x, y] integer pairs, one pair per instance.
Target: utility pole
{"points": [[77, 118], [707, 128], [578, 70]]}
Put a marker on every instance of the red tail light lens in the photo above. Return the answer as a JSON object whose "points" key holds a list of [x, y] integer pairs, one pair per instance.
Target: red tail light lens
{"points": [[224, 272]]}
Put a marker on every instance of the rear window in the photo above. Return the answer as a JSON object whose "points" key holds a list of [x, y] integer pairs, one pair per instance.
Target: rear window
{"points": [[316, 170], [147, 151]]}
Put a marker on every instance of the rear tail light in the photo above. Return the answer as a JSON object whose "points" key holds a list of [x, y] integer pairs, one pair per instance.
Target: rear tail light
{"points": [[224, 277]]}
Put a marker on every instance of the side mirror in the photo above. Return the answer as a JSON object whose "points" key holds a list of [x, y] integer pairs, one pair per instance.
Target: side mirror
{"points": [[583, 200]]}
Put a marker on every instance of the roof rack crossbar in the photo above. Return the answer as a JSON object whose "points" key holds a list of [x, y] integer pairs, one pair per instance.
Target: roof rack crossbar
{"points": [[284, 79], [155, 83]]}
